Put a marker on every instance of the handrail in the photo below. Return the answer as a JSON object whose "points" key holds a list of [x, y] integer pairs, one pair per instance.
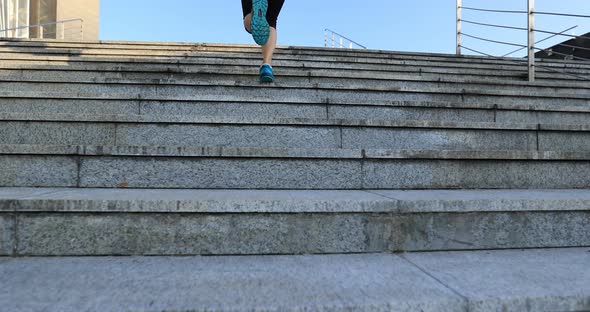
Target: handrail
{"points": [[493, 25], [524, 61], [43, 25], [531, 30], [547, 38], [341, 41], [494, 11], [49, 24], [495, 41]]}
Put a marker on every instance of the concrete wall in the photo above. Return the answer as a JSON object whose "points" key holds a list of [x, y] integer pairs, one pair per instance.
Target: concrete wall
{"points": [[88, 10]]}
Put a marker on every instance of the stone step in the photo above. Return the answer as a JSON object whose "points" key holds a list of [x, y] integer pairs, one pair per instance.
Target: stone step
{"points": [[98, 222], [525, 280], [480, 70], [278, 153], [152, 72], [279, 168], [288, 76], [393, 111], [253, 51], [354, 94], [319, 80], [292, 54], [211, 131]]}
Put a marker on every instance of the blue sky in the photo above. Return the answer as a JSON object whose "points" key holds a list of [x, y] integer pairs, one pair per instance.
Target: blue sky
{"points": [[415, 25]]}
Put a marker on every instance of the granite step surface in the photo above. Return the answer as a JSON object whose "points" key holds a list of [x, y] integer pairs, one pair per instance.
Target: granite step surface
{"points": [[407, 84], [252, 91], [103, 222], [88, 166], [275, 132], [527, 280], [314, 109], [301, 77], [251, 50], [38, 65]]}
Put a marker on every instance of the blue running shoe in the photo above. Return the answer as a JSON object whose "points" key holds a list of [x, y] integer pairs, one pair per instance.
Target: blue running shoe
{"points": [[260, 27], [266, 74]]}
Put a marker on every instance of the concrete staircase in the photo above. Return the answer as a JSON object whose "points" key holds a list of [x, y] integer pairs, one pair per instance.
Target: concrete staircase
{"points": [[170, 149]]}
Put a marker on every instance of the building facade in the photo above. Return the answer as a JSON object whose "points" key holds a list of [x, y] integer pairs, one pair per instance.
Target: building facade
{"points": [[50, 19]]}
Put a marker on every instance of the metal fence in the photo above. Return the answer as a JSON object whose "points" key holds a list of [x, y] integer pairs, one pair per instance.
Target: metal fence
{"points": [[531, 46], [334, 39]]}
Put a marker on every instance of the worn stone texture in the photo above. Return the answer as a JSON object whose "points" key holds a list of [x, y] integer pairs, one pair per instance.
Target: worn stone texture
{"points": [[438, 139], [326, 76], [69, 106], [38, 171], [542, 117], [219, 173], [192, 201], [258, 283], [229, 135], [308, 65], [123, 233], [458, 231], [482, 201], [84, 200], [466, 174], [564, 141], [201, 234], [410, 113], [56, 133], [7, 229], [233, 109], [512, 280], [289, 94]]}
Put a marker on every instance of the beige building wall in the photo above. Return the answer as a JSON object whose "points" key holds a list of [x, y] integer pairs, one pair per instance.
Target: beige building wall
{"points": [[37, 19], [88, 10]]}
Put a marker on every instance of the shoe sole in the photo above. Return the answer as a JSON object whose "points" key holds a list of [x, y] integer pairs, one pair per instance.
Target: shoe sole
{"points": [[267, 79], [260, 27]]}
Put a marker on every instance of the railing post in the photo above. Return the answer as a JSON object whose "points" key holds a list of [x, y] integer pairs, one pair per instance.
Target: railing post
{"points": [[459, 11], [531, 39], [41, 32]]}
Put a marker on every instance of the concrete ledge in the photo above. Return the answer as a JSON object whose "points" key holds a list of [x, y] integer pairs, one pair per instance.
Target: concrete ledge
{"points": [[278, 94], [289, 73], [19, 200], [184, 68], [262, 171], [528, 281], [231, 86], [283, 153], [252, 49], [553, 280], [393, 110], [325, 99], [198, 67], [252, 120], [88, 222], [7, 231]]}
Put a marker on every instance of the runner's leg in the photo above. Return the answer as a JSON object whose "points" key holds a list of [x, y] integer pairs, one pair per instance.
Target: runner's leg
{"points": [[269, 48], [274, 9]]}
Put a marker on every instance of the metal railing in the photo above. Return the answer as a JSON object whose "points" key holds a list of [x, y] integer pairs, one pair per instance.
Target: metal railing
{"points": [[60, 31], [531, 45], [333, 37]]}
